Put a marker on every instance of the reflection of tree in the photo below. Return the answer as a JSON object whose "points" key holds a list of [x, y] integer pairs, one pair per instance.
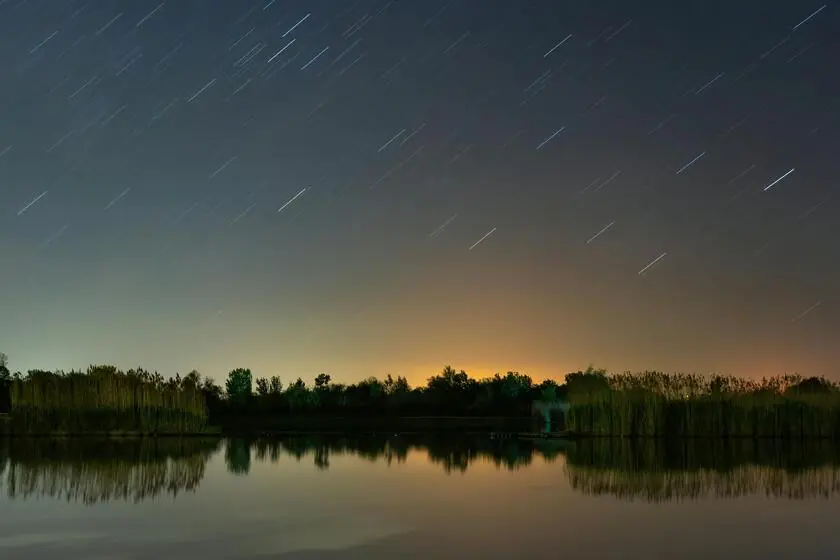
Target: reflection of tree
{"points": [[657, 470], [238, 456], [102, 470], [653, 470], [452, 453], [322, 458]]}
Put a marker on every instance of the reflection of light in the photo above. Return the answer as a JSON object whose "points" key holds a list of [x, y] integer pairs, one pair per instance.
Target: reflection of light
{"points": [[333, 533], [36, 539], [745, 480]]}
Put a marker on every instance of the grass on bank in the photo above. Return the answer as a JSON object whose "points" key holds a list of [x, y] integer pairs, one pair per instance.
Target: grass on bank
{"points": [[657, 470], [105, 400], [681, 405]]}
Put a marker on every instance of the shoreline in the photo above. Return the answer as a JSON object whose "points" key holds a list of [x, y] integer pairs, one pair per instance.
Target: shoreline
{"points": [[491, 427], [493, 435]]}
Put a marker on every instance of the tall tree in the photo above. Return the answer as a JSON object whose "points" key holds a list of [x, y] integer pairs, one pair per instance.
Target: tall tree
{"points": [[239, 385], [5, 384], [275, 385], [262, 386], [192, 379]]}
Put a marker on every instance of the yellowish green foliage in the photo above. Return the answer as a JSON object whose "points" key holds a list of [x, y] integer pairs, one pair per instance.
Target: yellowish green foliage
{"points": [[661, 404], [105, 399]]}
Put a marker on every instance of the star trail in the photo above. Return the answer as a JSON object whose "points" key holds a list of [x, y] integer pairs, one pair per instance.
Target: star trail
{"points": [[371, 187]]}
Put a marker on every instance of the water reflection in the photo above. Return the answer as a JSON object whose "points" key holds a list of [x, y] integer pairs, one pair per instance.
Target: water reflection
{"points": [[453, 454], [93, 470], [657, 471], [651, 470], [100, 470]]}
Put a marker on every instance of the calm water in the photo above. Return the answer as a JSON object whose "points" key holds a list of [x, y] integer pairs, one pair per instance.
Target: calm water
{"points": [[399, 497]]}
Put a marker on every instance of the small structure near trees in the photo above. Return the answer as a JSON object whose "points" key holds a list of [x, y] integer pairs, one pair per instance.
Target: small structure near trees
{"points": [[549, 410]]}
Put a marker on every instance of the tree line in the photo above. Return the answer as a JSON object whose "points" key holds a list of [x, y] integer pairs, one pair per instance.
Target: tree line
{"points": [[451, 393], [644, 404], [656, 404], [657, 470]]}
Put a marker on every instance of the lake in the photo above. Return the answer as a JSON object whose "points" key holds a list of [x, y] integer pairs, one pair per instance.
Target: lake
{"points": [[406, 497]]}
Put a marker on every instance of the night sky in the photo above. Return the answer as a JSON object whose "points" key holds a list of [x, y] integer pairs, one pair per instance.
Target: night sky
{"points": [[373, 187]]}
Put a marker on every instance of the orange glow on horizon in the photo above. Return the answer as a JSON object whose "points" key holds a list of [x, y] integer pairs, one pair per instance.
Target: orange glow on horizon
{"points": [[418, 375]]}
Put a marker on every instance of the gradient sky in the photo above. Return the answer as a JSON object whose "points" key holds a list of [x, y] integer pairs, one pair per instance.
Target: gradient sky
{"points": [[371, 187]]}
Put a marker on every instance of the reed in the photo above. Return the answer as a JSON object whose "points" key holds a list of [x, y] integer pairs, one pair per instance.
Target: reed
{"points": [[95, 470], [678, 405], [104, 399], [658, 470], [667, 486]]}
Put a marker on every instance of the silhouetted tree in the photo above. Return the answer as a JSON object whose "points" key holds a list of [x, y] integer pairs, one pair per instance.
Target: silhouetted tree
{"points": [[5, 374], [588, 382], [262, 387], [548, 390], [213, 394], [812, 385], [247, 402], [5, 384], [275, 385], [238, 386], [192, 380], [298, 397], [238, 456]]}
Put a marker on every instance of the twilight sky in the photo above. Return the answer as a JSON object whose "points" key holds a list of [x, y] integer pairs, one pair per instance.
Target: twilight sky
{"points": [[371, 187]]}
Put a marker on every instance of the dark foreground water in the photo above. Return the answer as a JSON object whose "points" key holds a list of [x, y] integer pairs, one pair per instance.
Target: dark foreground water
{"points": [[403, 498]]}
